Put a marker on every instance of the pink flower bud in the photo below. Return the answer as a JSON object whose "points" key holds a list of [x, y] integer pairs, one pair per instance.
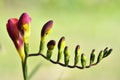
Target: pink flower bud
{"points": [[24, 26], [15, 35]]}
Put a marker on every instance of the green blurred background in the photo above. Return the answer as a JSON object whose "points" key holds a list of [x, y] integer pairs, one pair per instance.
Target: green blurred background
{"points": [[90, 23]]}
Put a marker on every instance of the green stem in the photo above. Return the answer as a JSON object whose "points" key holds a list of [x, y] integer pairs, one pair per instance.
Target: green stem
{"points": [[24, 63], [24, 68], [42, 45]]}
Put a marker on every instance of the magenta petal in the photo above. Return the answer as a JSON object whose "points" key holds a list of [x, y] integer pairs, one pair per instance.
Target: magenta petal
{"points": [[14, 33], [24, 19], [12, 28]]}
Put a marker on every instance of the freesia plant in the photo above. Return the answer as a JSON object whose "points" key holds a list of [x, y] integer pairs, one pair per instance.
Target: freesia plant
{"points": [[19, 32]]}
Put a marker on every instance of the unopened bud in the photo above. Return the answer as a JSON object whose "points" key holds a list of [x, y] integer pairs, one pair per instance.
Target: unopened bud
{"points": [[44, 32], [24, 26], [106, 52], [83, 60], [92, 57], [66, 56], [61, 45], [46, 29], [50, 46], [100, 56], [77, 55]]}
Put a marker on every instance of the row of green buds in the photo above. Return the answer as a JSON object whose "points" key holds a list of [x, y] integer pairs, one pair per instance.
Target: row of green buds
{"points": [[19, 32], [44, 32], [106, 52], [102, 54], [63, 50]]}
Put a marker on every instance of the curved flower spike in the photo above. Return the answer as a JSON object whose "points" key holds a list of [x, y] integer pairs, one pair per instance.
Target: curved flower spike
{"points": [[16, 37], [24, 26]]}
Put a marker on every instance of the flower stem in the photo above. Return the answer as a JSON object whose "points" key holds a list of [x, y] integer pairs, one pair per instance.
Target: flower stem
{"points": [[24, 63], [24, 68]]}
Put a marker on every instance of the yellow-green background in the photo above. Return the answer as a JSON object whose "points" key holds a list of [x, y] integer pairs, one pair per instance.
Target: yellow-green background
{"points": [[90, 23]]}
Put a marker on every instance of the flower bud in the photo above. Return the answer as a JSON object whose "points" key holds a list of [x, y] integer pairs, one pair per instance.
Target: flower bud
{"points": [[61, 45], [100, 56], [50, 46], [24, 26], [44, 32], [83, 60], [92, 57], [106, 52], [109, 52], [46, 29], [16, 37], [66, 56], [77, 55]]}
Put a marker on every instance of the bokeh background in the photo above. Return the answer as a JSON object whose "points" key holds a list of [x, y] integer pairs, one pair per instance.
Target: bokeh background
{"points": [[90, 23]]}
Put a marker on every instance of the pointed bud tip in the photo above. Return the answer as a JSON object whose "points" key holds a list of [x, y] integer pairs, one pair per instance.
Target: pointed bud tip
{"points": [[77, 47], [24, 19], [61, 42], [93, 50], [46, 28], [66, 47], [82, 54]]}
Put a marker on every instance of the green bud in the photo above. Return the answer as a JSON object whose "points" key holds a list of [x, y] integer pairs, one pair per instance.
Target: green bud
{"points": [[92, 57], [100, 56], [83, 60], [42, 45], [61, 45], [66, 56], [106, 52], [26, 48], [109, 52], [77, 55], [50, 46], [49, 54]]}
